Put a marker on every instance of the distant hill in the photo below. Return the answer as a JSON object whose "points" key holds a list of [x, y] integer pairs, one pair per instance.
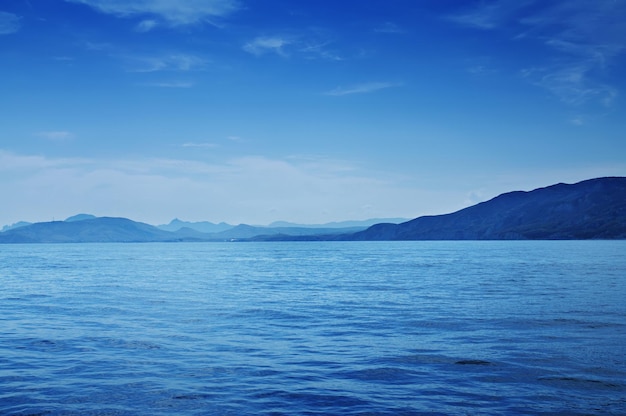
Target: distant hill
{"points": [[107, 229], [15, 225], [203, 226], [278, 227], [592, 209], [244, 231], [80, 217], [103, 229], [339, 224]]}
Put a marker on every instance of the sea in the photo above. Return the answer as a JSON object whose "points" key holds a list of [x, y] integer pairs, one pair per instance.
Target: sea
{"points": [[314, 328]]}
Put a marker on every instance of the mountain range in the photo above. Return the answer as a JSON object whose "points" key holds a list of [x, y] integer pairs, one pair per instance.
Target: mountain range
{"points": [[591, 209], [273, 228], [86, 228]]}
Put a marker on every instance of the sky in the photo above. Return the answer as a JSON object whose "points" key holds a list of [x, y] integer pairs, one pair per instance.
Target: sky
{"points": [[306, 111]]}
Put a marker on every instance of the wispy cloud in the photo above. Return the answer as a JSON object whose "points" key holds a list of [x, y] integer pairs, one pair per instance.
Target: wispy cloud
{"points": [[146, 25], [56, 136], [98, 46], [213, 145], [584, 38], [310, 44], [361, 88], [170, 84], [139, 61], [173, 12], [168, 62], [251, 189], [204, 145], [490, 15], [572, 84], [577, 120], [479, 70], [390, 28], [267, 44], [9, 23], [481, 66], [318, 50]]}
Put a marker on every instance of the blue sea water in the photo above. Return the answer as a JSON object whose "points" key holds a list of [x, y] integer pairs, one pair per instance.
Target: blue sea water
{"points": [[307, 328]]}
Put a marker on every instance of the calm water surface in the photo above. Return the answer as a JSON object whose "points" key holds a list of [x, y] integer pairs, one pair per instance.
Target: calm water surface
{"points": [[375, 328]]}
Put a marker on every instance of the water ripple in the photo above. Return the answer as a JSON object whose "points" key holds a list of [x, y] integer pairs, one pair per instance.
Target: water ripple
{"points": [[436, 328]]}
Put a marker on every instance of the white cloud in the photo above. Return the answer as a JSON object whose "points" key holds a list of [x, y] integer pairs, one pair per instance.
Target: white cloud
{"points": [[490, 15], [170, 84], [389, 27], [171, 62], [584, 38], [205, 145], [315, 50], [146, 25], [312, 43], [475, 196], [573, 84], [480, 70], [33, 163], [252, 189], [56, 136], [577, 120], [265, 44], [98, 46], [9, 23], [361, 88], [174, 12]]}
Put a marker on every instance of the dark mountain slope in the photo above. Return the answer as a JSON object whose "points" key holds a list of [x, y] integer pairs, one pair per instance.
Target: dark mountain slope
{"points": [[592, 209]]}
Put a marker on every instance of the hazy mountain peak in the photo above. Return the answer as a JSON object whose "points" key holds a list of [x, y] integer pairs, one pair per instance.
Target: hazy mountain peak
{"points": [[203, 226], [15, 225], [80, 217], [341, 224]]}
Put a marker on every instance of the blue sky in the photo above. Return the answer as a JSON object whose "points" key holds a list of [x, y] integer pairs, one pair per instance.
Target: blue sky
{"points": [[307, 111]]}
